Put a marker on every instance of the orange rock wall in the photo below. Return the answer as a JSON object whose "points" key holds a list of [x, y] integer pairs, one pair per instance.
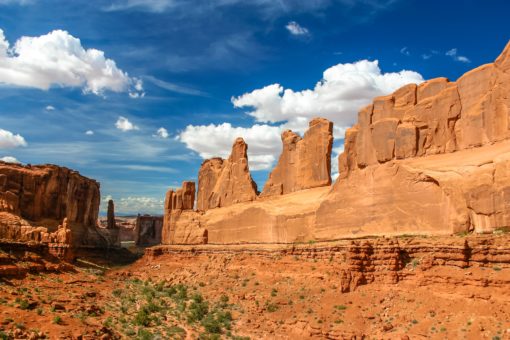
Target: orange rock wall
{"points": [[304, 163], [225, 182], [428, 159], [33, 198]]}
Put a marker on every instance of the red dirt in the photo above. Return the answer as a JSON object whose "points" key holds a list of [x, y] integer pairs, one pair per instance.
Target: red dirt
{"points": [[420, 288]]}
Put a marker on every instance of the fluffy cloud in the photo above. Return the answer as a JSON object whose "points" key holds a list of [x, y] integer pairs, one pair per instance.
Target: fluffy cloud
{"points": [[124, 124], [9, 159], [455, 56], [162, 133], [296, 29], [50, 108], [264, 143], [59, 59], [133, 205], [344, 89], [9, 140], [89, 132]]}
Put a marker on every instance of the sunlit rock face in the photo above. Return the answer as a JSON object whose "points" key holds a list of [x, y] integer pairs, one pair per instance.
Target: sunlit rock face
{"points": [[225, 182], [305, 162], [432, 158]]}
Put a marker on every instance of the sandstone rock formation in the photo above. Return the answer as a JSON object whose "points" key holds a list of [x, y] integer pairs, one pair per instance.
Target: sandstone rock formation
{"points": [[305, 162], [224, 182], [180, 221], [110, 215], [34, 200], [422, 159], [148, 230], [48, 192], [432, 158]]}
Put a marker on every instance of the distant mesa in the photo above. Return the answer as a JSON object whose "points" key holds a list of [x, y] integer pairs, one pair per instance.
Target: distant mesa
{"points": [[148, 230]]}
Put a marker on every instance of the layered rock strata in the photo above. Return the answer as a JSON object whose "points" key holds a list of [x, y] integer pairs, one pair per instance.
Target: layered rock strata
{"points": [[34, 200], [375, 260], [432, 158], [180, 222], [225, 182], [305, 162], [427, 159]]}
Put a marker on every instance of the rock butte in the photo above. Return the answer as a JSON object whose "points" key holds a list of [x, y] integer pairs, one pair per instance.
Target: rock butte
{"points": [[304, 163], [432, 158], [50, 204], [224, 182]]}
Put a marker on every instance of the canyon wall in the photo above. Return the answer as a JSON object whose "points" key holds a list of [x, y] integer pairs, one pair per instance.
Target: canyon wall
{"points": [[35, 200], [305, 162], [148, 230], [225, 182], [432, 158]]}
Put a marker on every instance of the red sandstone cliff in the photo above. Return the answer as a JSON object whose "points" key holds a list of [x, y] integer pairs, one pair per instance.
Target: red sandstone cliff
{"points": [[36, 199], [225, 182], [432, 158], [305, 162]]}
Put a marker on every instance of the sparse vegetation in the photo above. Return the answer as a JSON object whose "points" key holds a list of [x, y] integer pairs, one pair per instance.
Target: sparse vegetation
{"points": [[57, 320]]}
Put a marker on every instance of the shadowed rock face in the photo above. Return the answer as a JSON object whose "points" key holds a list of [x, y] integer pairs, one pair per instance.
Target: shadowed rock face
{"points": [[110, 215], [36, 199], [225, 182], [304, 163]]}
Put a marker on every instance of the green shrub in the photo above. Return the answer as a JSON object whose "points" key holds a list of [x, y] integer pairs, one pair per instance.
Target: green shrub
{"points": [[271, 307], [57, 320], [144, 334], [197, 309], [24, 304], [142, 318]]}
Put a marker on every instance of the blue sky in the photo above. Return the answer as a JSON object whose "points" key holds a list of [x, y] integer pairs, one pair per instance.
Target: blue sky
{"points": [[152, 87]]}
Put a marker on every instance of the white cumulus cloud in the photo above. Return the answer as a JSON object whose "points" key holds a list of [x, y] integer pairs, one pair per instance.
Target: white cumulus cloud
{"points": [[296, 29], [50, 108], [264, 143], [344, 89], [9, 159], [59, 59], [89, 132], [162, 133], [124, 124], [9, 140]]}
